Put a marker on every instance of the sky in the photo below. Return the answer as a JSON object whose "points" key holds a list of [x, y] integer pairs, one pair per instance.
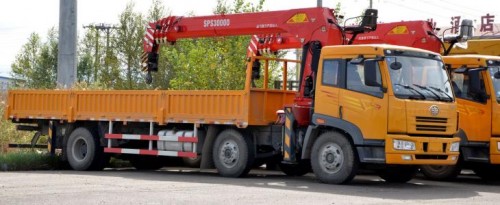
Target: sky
{"points": [[20, 18]]}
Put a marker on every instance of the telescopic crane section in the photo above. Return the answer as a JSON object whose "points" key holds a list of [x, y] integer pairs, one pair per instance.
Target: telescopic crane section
{"points": [[308, 28], [304, 24]]}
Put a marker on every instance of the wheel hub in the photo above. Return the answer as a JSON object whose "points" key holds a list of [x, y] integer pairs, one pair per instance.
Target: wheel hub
{"points": [[331, 158], [229, 153], [80, 149]]}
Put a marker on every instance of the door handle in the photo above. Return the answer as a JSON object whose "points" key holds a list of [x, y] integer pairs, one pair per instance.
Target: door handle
{"points": [[340, 112]]}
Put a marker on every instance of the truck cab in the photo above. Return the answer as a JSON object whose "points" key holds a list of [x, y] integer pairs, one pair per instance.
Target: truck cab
{"points": [[394, 104], [476, 83]]}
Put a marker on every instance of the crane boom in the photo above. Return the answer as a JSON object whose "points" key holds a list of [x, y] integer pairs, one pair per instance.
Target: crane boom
{"points": [[305, 24], [309, 28]]}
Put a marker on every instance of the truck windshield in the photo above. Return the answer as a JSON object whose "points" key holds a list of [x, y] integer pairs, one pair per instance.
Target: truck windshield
{"points": [[419, 78], [496, 82]]}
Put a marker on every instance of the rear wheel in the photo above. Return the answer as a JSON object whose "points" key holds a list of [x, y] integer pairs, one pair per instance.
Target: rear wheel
{"points": [[398, 173], [299, 169], [233, 154], [84, 152], [440, 172], [333, 159]]}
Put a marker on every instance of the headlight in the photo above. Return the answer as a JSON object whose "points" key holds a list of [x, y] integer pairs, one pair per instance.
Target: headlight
{"points": [[403, 145], [455, 146]]}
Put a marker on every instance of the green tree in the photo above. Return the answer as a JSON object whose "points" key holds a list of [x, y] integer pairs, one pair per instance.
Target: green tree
{"points": [[36, 64], [129, 46], [86, 57], [211, 63]]}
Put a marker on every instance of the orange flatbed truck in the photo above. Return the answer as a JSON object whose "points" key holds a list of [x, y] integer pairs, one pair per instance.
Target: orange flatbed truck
{"points": [[352, 109]]}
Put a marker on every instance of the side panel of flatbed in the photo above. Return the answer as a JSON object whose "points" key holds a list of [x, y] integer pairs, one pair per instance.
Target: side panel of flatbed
{"points": [[205, 107]]}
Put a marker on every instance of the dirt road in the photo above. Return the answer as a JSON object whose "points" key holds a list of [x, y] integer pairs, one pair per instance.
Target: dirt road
{"points": [[172, 186]]}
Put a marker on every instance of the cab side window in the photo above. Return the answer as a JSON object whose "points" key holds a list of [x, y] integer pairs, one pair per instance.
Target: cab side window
{"points": [[331, 72], [356, 80], [461, 86]]}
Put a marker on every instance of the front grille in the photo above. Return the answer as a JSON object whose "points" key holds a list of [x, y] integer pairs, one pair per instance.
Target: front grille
{"points": [[433, 124]]}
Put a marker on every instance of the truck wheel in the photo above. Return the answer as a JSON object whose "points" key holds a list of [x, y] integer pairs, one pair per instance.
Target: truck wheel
{"points": [[398, 173], [440, 172], [332, 159], [487, 172], [146, 162], [84, 152], [232, 154], [299, 169]]}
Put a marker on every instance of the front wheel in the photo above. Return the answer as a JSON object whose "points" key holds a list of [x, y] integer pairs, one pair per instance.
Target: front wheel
{"points": [[398, 173], [233, 154], [333, 159]]}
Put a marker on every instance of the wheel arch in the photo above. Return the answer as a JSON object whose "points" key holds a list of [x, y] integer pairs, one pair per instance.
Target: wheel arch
{"points": [[349, 130]]}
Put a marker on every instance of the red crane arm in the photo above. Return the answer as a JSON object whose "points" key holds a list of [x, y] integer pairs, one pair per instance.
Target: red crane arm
{"points": [[303, 25], [417, 34]]}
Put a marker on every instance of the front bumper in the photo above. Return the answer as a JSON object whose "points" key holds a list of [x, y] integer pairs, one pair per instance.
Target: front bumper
{"points": [[428, 151], [495, 150]]}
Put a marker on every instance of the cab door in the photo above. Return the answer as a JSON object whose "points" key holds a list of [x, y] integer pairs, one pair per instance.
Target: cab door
{"points": [[473, 107], [327, 91], [362, 104]]}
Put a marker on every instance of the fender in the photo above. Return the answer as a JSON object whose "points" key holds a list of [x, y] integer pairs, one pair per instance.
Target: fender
{"points": [[351, 129], [473, 151]]}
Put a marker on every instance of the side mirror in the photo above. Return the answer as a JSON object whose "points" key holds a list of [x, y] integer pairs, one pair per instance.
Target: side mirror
{"points": [[370, 71], [396, 65], [369, 21], [497, 75], [466, 30], [256, 70]]}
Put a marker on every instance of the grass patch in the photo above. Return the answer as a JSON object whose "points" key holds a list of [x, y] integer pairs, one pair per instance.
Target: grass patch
{"points": [[28, 160], [9, 134]]}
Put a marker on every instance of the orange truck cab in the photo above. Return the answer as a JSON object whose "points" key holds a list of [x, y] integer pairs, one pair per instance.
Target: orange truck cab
{"points": [[394, 103], [476, 83]]}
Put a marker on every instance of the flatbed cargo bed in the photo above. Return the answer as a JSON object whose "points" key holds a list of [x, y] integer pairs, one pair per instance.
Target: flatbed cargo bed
{"points": [[251, 106]]}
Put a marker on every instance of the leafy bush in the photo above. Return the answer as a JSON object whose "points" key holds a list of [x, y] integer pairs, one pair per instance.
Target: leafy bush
{"points": [[28, 160]]}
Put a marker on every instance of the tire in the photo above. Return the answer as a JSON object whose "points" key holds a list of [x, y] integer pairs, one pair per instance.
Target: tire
{"points": [[333, 159], [440, 172], [84, 151], [233, 154], [488, 172], [146, 162], [192, 162], [295, 170], [398, 173]]}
